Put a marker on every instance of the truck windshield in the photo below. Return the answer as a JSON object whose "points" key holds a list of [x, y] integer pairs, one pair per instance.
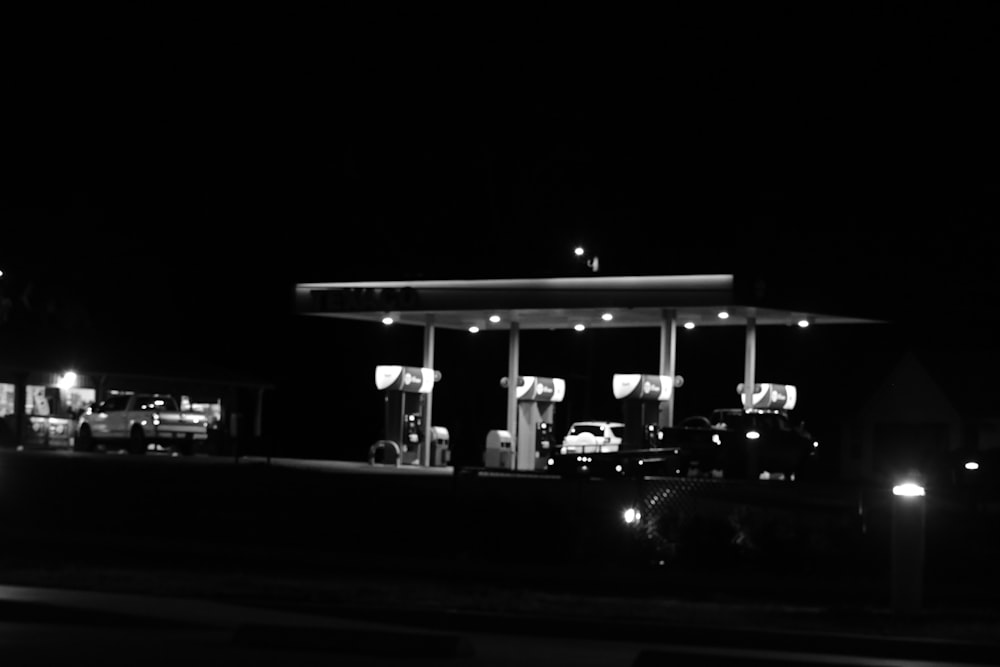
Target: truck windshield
{"points": [[165, 403]]}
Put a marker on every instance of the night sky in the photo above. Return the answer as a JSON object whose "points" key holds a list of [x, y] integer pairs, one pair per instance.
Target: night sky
{"points": [[852, 159]]}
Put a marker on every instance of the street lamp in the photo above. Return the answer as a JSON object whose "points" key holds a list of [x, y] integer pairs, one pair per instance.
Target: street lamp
{"points": [[593, 263], [68, 380]]}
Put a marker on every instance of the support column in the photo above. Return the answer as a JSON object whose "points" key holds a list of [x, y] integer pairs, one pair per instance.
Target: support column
{"points": [[258, 418], [749, 380], [750, 363], [425, 451], [513, 371], [20, 395], [258, 425], [668, 358]]}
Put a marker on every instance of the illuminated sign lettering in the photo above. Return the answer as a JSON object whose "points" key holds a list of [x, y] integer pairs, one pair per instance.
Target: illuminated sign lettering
{"points": [[405, 378], [360, 299], [771, 395], [642, 387], [534, 388]]}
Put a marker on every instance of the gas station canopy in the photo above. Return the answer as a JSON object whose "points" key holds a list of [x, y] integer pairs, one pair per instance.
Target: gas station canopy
{"points": [[514, 305], [550, 303]]}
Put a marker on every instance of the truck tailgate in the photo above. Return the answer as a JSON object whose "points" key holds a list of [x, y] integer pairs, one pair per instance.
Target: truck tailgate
{"points": [[181, 424]]}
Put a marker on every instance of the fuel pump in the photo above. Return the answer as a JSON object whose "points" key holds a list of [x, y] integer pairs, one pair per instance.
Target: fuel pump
{"points": [[413, 431], [536, 399], [641, 396], [405, 389], [543, 440]]}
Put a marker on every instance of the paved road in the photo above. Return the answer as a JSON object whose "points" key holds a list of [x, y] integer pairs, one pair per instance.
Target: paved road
{"points": [[57, 627]]}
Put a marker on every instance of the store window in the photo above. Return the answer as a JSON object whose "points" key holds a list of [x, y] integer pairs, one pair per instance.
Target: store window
{"points": [[7, 403]]}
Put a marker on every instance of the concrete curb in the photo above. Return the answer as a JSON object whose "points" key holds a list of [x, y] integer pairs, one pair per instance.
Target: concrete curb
{"points": [[386, 644]]}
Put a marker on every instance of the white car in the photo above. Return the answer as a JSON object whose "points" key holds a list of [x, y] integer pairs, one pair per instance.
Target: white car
{"points": [[594, 436]]}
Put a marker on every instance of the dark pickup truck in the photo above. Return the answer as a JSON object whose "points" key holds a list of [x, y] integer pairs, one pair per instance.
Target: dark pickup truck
{"points": [[734, 444]]}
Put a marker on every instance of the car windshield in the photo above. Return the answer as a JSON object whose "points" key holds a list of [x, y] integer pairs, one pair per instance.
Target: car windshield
{"points": [[772, 422], [580, 429], [618, 431]]}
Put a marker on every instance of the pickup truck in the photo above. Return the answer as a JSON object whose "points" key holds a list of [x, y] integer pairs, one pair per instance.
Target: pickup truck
{"points": [[743, 443], [140, 422], [731, 443]]}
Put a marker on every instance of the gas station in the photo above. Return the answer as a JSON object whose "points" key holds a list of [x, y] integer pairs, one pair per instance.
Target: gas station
{"points": [[664, 302]]}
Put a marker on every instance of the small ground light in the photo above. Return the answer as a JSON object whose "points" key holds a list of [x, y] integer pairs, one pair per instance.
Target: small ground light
{"points": [[607, 317], [908, 489], [753, 435], [723, 315], [689, 325], [631, 515], [494, 319], [551, 462], [579, 327], [803, 324], [618, 468], [971, 465], [473, 329], [387, 320], [578, 251]]}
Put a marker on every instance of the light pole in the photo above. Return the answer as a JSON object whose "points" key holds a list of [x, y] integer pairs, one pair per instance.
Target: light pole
{"points": [[593, 263], [908, 545]]}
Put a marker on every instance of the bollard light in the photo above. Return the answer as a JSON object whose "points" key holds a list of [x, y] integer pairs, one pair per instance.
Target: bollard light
{"points": [[908, 490], [971, 465]]}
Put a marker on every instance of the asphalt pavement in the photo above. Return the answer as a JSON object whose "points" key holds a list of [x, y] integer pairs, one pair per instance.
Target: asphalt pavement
{"points": [[41, 626]]}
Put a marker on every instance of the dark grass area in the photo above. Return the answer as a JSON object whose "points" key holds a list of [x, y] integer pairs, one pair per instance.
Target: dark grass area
{"points": [[273, 535]]}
